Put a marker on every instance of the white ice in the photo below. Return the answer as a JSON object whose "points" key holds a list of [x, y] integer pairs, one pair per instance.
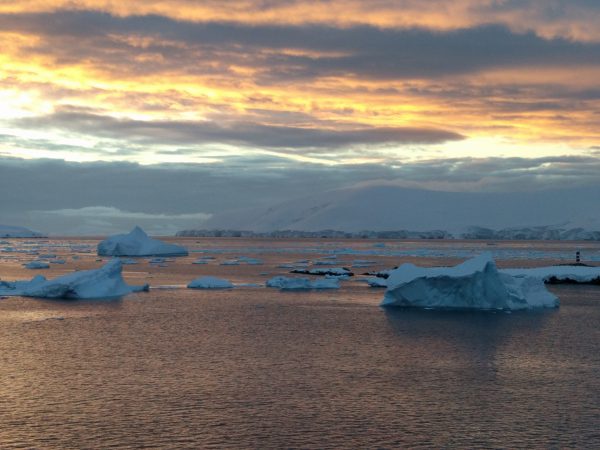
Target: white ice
{"points": [[571, 274], [37, 265], [474, 284], [332, 271], [105, 282], [301, 284], [138, 243], [208, 282]]}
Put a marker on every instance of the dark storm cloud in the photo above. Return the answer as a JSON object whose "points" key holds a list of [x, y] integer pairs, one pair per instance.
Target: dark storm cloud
{"points": [[361, 50], [231, 132]]}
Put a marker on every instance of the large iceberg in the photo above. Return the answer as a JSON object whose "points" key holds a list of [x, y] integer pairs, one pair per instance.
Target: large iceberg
{"points": [[474, 284], [137, 243], [105, 282]]}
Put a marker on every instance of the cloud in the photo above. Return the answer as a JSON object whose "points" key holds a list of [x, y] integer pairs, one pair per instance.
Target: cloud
{"points": [[235, 132], [574, 19], [156, 44], [62, 198], [296, 86]]}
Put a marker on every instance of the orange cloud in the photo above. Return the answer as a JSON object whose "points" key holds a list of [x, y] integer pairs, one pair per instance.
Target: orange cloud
{"points": [[145, 71], [549, 18]]}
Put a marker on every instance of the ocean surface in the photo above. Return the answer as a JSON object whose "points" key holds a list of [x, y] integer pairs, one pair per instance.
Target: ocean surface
{"points": [[254, 367]]}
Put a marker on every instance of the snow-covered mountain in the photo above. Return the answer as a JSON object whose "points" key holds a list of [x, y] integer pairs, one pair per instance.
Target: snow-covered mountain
{"points": [[389, 207], [8, 231]]}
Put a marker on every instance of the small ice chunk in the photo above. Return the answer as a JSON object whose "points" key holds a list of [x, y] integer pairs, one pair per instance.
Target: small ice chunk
{"points": [[288, 283], [37, 265], [230, 262], [209, 282], [250, 261], [301, 284], [333, 271]]}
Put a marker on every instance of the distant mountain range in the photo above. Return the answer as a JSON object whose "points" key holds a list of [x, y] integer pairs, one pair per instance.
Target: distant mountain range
{"points": [[534, 233], [557, 214]]}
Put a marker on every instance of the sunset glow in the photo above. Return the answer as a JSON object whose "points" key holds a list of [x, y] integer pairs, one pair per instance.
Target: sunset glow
{"points": [[336, 75]]}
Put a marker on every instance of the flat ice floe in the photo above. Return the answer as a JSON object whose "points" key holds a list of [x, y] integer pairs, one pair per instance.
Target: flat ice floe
{"points": [[37, 265], [210, 283], [333, 271], [138, 243], [105, 282], [474, 284], [559, 274], [302, 284], [375, 282]]}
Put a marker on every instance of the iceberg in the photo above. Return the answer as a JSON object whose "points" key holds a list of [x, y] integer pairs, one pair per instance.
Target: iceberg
{"points": [[137, 243], [11, 288], [37, 265], [559, 274], [210, 283], [474, 284], [105, 282]]}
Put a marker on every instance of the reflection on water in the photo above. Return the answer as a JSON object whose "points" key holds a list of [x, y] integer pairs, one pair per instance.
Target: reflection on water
{"points": [[258, 368]]}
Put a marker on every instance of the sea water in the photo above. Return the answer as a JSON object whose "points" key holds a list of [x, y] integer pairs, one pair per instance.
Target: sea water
{"points": [[254, 367]]}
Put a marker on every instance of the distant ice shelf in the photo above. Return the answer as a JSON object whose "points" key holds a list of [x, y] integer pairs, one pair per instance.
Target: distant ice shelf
{"points": [[568, 274]]}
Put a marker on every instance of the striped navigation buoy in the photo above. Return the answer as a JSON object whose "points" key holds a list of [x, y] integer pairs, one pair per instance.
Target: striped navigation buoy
{"points": [[577, 256]]}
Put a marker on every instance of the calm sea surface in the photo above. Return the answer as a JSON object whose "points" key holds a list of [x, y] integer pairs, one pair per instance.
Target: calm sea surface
{"points": [[258, 368]]}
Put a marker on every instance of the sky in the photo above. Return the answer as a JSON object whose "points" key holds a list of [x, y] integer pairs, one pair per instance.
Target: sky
{"points": [[167, 112]]}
